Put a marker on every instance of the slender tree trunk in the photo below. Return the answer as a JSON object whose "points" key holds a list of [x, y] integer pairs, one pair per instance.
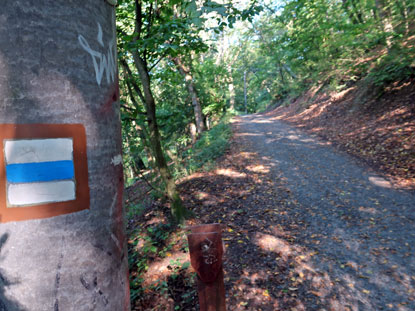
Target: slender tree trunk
{"points": [[177, 209], [385, 20], [408, 18], [192, 132], [245, 96], [357, 11], [281, 73], [287, 69], [345, 5], [231, 88], [191, 88], [405, 17], [139, 126], [410, 9]]}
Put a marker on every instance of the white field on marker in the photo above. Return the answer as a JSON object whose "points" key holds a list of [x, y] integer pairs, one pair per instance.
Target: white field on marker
{"points": [[22, 151], [37, 193], [38, 150]]}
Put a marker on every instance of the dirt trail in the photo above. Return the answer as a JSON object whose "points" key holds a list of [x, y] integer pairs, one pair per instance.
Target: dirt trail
{"points": [[354, 236], [306, 228]]}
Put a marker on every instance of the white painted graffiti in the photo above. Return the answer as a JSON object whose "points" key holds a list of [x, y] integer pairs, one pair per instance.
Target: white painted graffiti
{"points": [[102, 62], [117, 160], [208, 252]]}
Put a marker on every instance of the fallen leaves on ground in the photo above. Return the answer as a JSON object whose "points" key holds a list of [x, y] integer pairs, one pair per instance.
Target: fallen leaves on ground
{"points": [[380, 131]]}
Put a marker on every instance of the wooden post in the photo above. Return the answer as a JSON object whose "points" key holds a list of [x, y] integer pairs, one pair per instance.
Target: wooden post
{"points": [[206, 250]]}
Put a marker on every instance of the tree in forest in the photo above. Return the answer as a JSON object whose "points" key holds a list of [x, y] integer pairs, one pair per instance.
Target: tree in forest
{"points": [[63, 218], [149, 33], [186, 72]]}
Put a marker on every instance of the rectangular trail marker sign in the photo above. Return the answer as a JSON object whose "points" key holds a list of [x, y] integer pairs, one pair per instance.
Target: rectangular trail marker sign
{"points": [[43, 170]]}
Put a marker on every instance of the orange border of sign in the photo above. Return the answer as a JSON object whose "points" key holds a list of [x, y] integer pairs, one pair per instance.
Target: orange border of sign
{"points": [[22, 131]]}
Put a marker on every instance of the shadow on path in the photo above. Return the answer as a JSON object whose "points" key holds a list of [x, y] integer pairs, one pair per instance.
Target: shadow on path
{"points": [[306, 227]]}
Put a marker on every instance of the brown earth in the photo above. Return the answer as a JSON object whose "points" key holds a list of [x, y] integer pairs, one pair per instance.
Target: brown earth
{"points": [[287, 249], [379, 131], [241, 195]]}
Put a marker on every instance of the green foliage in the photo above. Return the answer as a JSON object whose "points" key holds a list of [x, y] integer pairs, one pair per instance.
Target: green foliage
{"points": [[289, 47], [134, 210], [157, 32], [298, 44], [211, 145], [144, 246], [211, 81], [202, 155], [394, 66]]}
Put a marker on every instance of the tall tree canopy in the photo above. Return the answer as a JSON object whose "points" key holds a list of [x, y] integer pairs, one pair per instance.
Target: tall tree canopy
{"points": [[155, 37], [183, 64]]}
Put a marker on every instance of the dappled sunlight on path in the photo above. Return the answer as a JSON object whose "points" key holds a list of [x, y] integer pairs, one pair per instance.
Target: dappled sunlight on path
{"points": [[267, 266], [380, 131], [304, 227], [325, 234]]}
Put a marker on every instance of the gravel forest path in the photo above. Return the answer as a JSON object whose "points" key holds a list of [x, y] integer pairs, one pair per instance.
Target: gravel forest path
{"points": [[353, 235]]}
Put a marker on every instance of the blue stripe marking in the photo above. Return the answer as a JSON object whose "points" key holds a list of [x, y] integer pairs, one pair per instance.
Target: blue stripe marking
{"points": [[38, 172]]}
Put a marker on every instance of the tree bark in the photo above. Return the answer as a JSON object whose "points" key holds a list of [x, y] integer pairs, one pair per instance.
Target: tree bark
{"points": [[357, 11], [245, 96], [404, 10], [177, 209], [191, 88], [353, 19], [385, 20], [62, 248], [231, 88], [281, 73]]}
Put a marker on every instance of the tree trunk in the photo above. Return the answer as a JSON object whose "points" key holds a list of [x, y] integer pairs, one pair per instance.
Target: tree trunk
{"points": [[231, 88], [357, 11], [287, 69], [245, 96], [385, 20], [62, 241], [177, 209], [405, 11], [281, 73], [410, 11], [192, 132], [349, 12], [191, 88]]}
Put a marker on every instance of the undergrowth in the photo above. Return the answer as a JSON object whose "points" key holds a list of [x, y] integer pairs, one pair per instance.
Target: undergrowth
{"points": [[202, 155], [395, 66], [153, 239], [153, 243], [211, 145]]}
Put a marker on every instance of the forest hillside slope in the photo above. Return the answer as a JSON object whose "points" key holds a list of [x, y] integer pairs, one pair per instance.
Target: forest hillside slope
{"points": [[377, 129]]}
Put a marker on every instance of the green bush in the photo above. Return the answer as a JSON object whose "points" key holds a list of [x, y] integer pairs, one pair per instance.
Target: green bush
{"points": [[394, 66], [211, 145]]}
